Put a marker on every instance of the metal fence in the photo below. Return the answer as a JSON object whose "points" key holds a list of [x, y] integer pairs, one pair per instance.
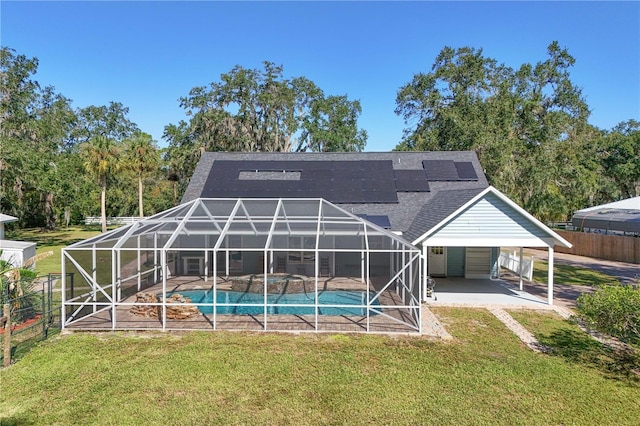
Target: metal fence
{"points": [[29, 319]]}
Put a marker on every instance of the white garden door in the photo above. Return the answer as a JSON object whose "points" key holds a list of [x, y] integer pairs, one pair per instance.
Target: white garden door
{"points": [[437, 261]]}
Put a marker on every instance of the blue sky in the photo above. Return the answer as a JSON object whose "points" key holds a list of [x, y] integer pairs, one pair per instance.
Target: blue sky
{"points": [[148, 54]]}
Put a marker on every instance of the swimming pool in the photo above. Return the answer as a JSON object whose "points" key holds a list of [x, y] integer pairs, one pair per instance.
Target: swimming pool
{"points": [[327, 297]]}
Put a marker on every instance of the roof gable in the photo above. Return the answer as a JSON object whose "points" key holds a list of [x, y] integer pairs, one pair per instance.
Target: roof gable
{"points": [[490, 219]]}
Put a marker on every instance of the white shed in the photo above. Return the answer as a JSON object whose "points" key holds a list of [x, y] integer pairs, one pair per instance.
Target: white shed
{"points": [[17, 252]]}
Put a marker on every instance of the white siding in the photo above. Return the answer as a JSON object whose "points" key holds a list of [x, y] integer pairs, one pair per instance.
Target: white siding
{"points": [[489, 222]]}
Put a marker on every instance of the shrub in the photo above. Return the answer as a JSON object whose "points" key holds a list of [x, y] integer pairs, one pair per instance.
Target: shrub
{"points": [[613, 309]]}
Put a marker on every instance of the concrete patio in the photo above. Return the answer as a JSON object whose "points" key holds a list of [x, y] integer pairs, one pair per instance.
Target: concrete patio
{"points": [[481, 292]]}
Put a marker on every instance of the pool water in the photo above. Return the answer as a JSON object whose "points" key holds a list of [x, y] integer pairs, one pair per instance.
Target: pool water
{"points": [[327, 297]]}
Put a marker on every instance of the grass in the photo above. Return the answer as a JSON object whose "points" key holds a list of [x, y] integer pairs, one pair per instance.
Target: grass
{"points": [[485, 376], [566, 340], [570, 275], [54, 241]]}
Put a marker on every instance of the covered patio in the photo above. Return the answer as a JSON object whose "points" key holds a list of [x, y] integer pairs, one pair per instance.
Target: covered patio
{"points": [[481, 292]]}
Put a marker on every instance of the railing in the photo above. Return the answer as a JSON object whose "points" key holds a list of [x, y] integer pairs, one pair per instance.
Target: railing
{"points": [[511, 261]]}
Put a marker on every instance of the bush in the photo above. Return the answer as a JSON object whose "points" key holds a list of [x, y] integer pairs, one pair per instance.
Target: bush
{"points": [[613, 309]]}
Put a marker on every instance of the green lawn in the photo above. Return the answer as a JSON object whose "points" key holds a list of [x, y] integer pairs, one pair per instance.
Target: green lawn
{"points": [[571, 275], [485, 376], [52, 241]]}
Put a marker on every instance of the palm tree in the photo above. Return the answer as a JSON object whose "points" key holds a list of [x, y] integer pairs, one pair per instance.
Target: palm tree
{"points": [[100, 155], [141, 157]]}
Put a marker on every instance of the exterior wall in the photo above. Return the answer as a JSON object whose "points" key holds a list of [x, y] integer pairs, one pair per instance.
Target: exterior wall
{"points": [[455, 261], [486, 221]]}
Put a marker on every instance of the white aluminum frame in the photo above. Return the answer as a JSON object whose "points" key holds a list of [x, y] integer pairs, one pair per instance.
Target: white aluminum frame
{"points": [[222, 218]]}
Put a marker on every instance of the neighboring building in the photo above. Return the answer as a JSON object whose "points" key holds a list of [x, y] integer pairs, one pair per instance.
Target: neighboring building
{"points": [[14, 252], [617, 218]]}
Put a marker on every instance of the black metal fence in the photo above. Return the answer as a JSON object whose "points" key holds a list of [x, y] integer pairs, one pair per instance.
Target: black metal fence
{"points": [[31, 318]]}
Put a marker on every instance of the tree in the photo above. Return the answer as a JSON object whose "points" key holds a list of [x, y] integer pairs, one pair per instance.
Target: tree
{"points": [[331, 126], [620, 153], [141, 157], [35, 123], [110, 121], [100, 156], [528, 126], [260, 110]]}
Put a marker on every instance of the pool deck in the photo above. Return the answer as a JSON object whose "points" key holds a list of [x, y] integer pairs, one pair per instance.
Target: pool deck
{"points": [[396, 321]]}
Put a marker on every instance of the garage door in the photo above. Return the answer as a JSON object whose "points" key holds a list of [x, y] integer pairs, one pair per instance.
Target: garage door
{"points": [[478, 262]]}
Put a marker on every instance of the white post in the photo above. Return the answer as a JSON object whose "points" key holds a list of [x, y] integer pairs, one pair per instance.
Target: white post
{"points": [[139, 266], [163, 263], [425, 274], [520, 268], [362, 259], [214, 286], [550, 275], [155, 257], [94, 274], [63, 289], [114, 290]]}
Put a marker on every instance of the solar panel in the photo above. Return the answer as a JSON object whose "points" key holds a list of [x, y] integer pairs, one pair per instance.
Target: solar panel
{"points": [[411, 181], [370, 181], [380, 220], [466, 171], [440, 170]]}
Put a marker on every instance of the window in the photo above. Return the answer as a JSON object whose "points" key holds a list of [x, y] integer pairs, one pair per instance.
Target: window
{"points": [[437, 250], [299, 249]]}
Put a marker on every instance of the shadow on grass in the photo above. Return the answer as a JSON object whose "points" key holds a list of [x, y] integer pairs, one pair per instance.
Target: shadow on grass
{"points": [[59, 237], [580, 348], [568, 274]]}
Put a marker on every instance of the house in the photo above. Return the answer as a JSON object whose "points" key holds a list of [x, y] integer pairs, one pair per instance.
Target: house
{"points": [[438, 201], [299, 241]]}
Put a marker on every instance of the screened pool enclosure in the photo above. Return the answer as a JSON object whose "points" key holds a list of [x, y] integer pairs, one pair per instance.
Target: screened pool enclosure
{"points": [[244, 264]]}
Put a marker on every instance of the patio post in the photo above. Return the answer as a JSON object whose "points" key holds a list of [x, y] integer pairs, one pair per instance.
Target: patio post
{"points": [[425, 274], [520, 268], [550, 275]]}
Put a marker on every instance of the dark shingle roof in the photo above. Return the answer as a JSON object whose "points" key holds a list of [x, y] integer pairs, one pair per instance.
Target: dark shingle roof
{"points": [[408, 211]]}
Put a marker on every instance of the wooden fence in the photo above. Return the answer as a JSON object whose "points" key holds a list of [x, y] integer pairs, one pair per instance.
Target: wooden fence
{"points": [[599, 246]]}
